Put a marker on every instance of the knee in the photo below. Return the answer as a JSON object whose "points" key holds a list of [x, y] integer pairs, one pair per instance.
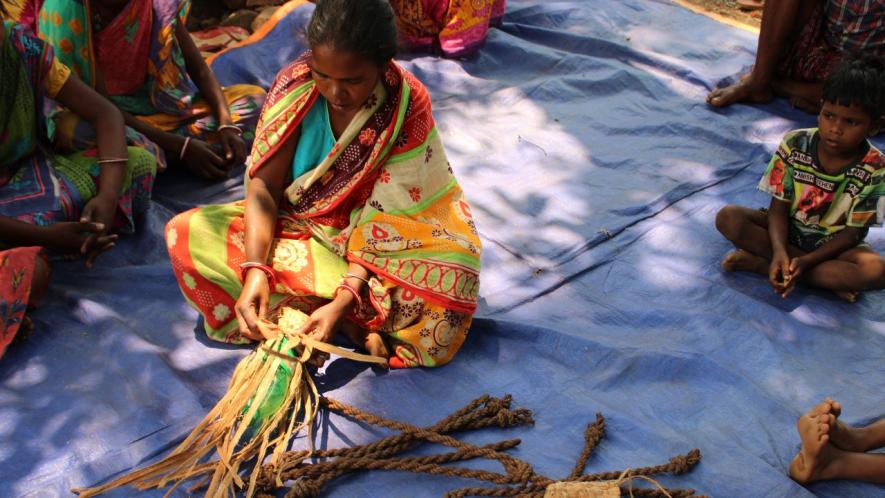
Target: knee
{"points": [[728, 221], [874, 274], [141, 162], [175, 230], [39, 281]]}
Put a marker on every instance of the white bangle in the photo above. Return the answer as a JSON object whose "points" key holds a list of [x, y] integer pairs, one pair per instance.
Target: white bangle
{"points": [[235, 128], [187, 140], [349, 275]]}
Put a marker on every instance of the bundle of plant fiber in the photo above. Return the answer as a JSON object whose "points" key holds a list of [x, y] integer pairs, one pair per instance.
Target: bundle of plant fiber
{"points": [[270, 399]]}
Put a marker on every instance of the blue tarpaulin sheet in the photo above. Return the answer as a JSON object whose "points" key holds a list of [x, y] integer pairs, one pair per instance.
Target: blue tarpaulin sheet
{"points": [[595, 171]]}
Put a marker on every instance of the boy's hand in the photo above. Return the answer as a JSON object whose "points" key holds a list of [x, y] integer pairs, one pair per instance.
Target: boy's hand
{"points": [[796, 269], [779, 274]]}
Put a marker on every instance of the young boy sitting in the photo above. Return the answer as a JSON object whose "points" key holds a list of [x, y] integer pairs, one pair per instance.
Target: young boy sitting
{"points": [[827, 190]]}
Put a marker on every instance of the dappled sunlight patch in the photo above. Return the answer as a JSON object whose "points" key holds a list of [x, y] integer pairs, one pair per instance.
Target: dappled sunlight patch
{"points": [[668, 271], [33, 374], [91, 312]]}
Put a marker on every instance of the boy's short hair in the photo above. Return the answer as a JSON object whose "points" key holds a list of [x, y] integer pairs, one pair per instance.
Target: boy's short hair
{"points": [[858, 80]]}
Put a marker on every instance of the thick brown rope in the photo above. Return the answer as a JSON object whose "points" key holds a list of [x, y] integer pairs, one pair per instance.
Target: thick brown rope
{"points": [[519, 478], [482, 412], [592, 436]]}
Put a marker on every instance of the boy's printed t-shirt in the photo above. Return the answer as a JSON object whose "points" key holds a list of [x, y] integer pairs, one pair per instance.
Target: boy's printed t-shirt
{"points": [[822, 204]]}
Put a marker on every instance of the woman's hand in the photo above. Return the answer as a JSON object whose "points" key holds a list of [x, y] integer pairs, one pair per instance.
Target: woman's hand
{"points": [[100, 209], [234, 147], [79, 238], [324, 321], [203, 161], [252, 304]]}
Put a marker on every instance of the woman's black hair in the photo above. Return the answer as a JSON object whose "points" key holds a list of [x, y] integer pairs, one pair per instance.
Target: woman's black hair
{"points": [[858, 80], [363, 27]]}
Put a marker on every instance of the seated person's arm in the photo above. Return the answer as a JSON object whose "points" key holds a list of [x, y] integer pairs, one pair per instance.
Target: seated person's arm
{"points": [[844, 240], [210, 89], [69, 237], [111, 138], [264, 191], [198, 156], [778, 228]]}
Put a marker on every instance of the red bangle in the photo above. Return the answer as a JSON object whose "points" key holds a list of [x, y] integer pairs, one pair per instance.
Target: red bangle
{"points": [[267, 270], [356, 294]]}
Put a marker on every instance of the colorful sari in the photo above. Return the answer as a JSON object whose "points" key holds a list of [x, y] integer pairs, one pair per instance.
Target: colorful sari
{"points": [[454, 28], [143, 71], [38, 185], [16, 274], [384, 197]]}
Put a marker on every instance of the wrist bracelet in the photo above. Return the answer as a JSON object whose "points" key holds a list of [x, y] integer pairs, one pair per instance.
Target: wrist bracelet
{"points": [[351, 275], [187, 140], [109, 160], [356, 294], [235, 128], [267, 270]]}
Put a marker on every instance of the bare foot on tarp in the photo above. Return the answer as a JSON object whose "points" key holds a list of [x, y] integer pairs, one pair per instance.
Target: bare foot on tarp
{"points": [[744, 90], [372, 342], [816, 454], [741, 260], [842, 435]]}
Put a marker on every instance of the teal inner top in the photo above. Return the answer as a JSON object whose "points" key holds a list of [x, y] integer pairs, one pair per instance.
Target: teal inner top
{"points": [[316, 140]]}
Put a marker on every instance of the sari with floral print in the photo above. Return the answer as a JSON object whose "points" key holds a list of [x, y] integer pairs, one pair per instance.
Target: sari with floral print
{"points": [[384, 197], [142, 69]]}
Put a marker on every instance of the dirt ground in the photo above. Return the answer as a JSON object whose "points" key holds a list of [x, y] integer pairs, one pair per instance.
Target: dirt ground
{"points": [[728, 9], [207, 13]]}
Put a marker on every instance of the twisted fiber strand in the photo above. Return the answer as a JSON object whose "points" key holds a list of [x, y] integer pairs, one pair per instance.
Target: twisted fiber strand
{"points": [[390, 445], [538, 492], [402, 463], [657, 493], [592, 436], [510, 463], [479, 413], [677, 465]]}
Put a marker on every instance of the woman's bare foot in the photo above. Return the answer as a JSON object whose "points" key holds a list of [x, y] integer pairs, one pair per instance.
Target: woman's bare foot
{"points": [[372, 342], [816, 454], [741, 260], [751, 4], [744, 90]]}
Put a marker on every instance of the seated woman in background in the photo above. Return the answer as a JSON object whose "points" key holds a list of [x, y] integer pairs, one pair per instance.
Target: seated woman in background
{"points": [[139, 54], [800, 43], [68, 203], [352, 213], [451, 28]]}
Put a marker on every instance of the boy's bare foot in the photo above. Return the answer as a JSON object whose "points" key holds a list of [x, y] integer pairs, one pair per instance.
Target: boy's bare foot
{"points": [[743, 90], [849, 296], [741, 260], [842, 435], [815, 455]]}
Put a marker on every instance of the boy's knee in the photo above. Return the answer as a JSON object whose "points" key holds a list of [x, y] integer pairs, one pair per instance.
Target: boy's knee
{"points": [[875, 272], [728, 220]]}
